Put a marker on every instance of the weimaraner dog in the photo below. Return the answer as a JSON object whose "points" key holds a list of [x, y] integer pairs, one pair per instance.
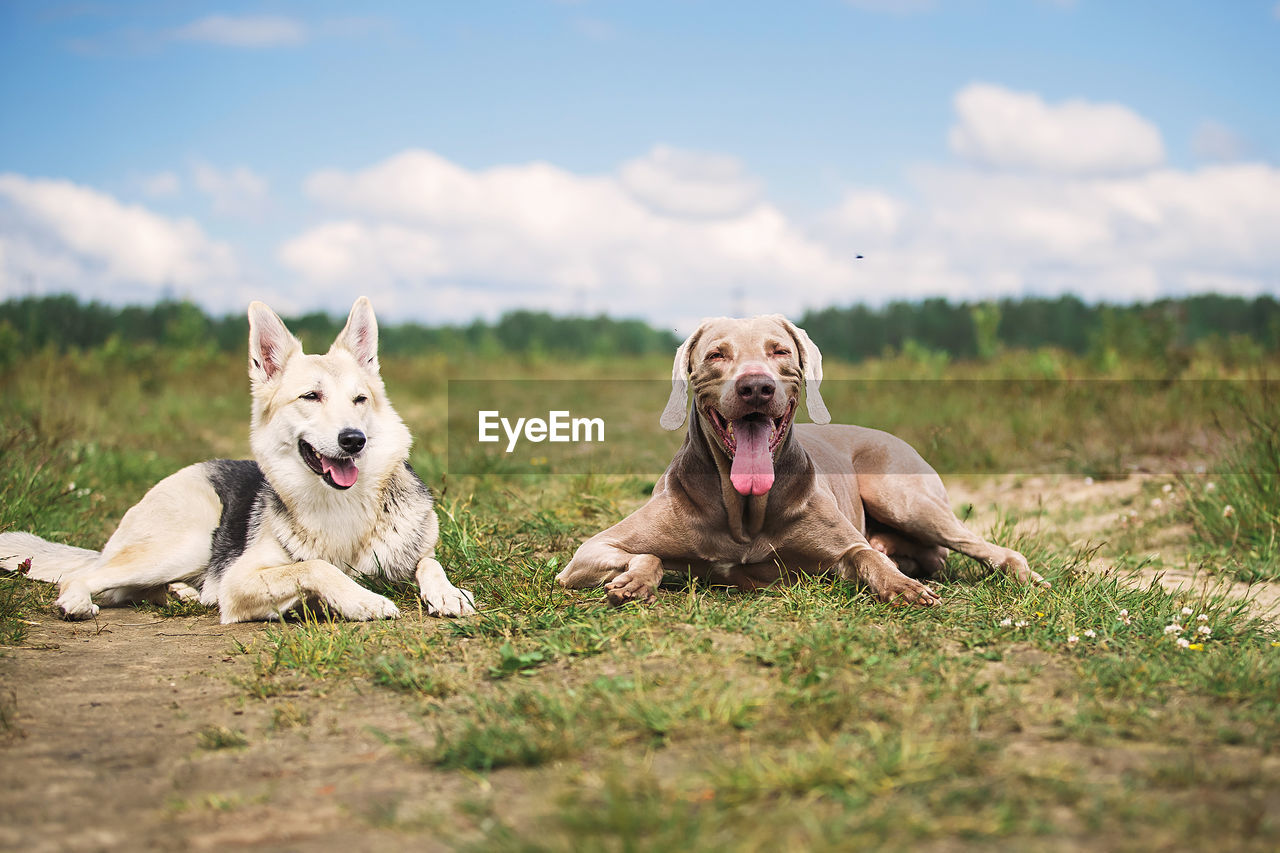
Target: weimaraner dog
{"points": [[752, 497]]}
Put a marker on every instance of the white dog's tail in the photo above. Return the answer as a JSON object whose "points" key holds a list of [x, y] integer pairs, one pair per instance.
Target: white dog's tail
{"points": [[50, 561]]}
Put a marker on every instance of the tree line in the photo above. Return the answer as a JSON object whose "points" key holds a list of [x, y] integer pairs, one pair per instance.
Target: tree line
{"points": [[64, 322], [962, 330], [979, 330]]}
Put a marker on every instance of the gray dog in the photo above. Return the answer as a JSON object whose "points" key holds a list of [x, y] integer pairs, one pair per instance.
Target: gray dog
{"points": [[752, 497]]}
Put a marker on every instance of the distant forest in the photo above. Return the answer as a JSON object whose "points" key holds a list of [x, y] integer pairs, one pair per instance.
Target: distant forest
{"points": [[961, 330]]}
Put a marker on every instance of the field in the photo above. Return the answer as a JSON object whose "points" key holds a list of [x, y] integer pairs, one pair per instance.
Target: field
{"points": [[802, 717]]}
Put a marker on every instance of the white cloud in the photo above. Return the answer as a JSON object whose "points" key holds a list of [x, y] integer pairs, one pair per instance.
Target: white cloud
{"points": [[161, 184], [60, 236], [243, 31], [875, 217], [1004, 129], [536, 235], [237, 191], [674, 235], [972, 234], [689, 183], [670, 236], [1216, 142]]}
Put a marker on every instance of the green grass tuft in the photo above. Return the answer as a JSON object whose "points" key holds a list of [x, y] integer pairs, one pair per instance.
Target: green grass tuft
{"points": [[1236, 510]]}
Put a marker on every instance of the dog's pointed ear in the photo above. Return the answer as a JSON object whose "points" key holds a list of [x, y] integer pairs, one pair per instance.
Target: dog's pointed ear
{"points": [[360, 335], [811, 366], [678, 403], [270, 343]]}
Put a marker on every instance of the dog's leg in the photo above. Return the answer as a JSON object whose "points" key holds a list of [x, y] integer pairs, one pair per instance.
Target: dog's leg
{"points": [[917, 505], [882, 576], [137, 571], [441, 597], [829, 540], [626, 576], [165, 537], [913, 558], [250, 591], [638, 583], [183, 592]]}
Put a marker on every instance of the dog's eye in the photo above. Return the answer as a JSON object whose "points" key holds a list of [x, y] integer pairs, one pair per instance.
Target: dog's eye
{"points": [[715, 355], [360, 399], [782, 352], [310, 395]]}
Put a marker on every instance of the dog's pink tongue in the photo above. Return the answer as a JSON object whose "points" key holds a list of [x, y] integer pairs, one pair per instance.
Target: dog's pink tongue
{"points": [[752, 471], [341, 471]]}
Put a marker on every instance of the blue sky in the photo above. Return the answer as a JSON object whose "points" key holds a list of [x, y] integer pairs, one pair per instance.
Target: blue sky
{"points": [[659, 159]]}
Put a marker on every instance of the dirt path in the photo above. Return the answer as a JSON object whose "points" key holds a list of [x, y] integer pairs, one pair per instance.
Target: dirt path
{"points": [[1115, 514], [102, 750]]}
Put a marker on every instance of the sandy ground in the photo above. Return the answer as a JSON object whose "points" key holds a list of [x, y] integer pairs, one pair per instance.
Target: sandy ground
{"points": [[1079, 511], [103, 749]]}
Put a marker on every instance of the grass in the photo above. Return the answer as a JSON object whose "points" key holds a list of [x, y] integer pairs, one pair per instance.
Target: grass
{"points": [[809, 716], [214, 738], [20, 601], [1236, 509]]}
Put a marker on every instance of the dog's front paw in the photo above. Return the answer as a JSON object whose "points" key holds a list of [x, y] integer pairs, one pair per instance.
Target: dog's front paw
{"points": [[904, 590], [878, 572], [1016, 565], [76, 604], [184, 592], [368, 608], [451, 602], [628, 587]]}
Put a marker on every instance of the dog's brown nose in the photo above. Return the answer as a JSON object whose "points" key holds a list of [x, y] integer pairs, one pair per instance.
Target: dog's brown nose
{"points": [[755, 388]]}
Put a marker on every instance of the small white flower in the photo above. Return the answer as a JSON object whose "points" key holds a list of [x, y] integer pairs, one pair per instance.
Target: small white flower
{"points": [[1124, 613], [1091, 633], [1228, 511], [1157, 502], [1073, 639], [1006, 622], [1167, 488], [1203, 617], [1175, 628], [1200, 469], [1183, 642], [1088, 481], [1186, 611], [1210, 487], [71, 487], [1021, 623], [1204, 630]]}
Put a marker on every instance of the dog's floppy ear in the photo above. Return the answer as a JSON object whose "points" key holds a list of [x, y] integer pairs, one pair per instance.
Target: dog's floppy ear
{"points": [[678, 403], [270, 343], [360, 335], [811, 366]]}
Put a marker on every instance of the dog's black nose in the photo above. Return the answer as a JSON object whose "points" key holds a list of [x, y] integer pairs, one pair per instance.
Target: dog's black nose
{"points": [[351, 440], [755, 388]]}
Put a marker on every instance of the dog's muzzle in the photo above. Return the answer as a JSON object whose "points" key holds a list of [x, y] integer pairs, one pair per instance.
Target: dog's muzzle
{"points": [[340, 472], [750, 442]]}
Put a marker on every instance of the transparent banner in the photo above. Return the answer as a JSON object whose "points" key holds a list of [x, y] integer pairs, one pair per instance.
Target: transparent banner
{"points": [[1088, 427]]}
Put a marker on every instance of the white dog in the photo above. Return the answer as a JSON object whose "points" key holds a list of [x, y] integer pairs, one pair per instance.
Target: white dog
{"points": [[329, 494]]}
